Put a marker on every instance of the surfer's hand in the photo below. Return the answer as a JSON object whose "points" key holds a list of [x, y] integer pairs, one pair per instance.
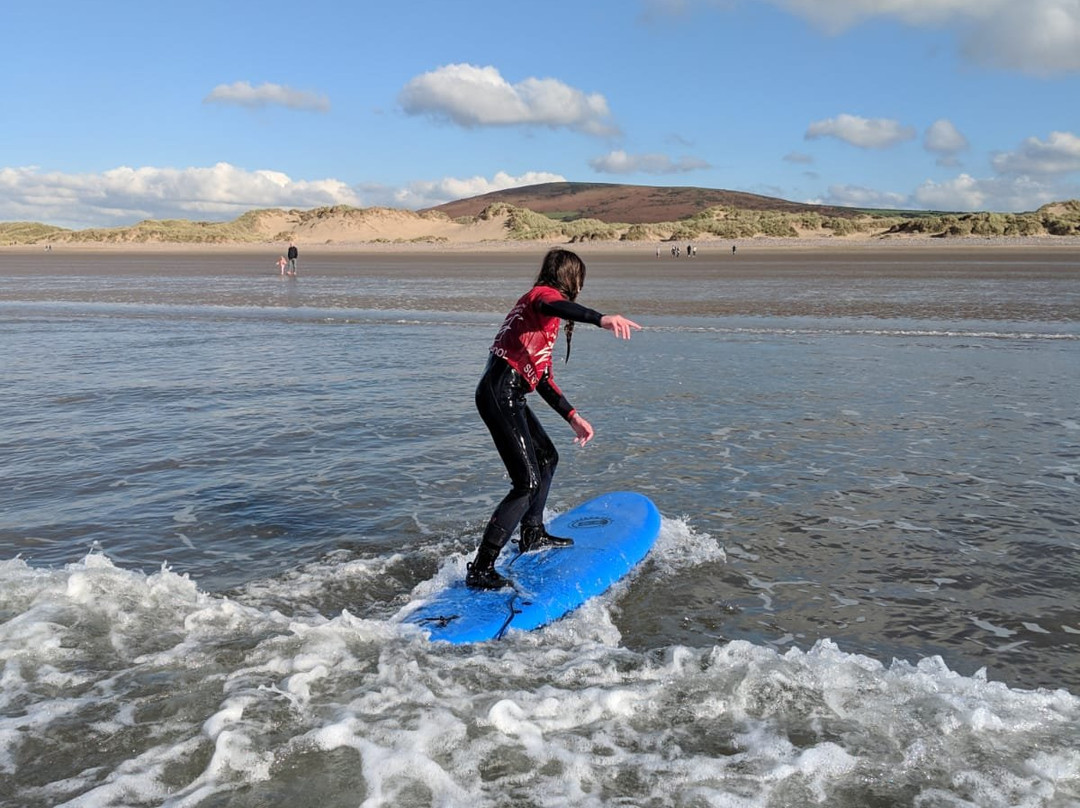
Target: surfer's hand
{"points": [[619, 325], [582, 428]]}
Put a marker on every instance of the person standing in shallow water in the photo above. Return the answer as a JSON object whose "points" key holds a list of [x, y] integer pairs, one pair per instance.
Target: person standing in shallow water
{"points": [[293, 255], [520, 362]]}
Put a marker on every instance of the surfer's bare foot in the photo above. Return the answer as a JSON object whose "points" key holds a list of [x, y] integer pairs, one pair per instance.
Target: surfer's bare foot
{"points": [[536, 537], [485, 578]]}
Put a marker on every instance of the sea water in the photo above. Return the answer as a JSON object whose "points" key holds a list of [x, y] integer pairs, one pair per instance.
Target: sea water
{"points": [[221, 489]]}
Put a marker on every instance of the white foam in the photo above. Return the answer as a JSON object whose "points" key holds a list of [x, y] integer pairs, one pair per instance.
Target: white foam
{"points": [[680, 546], [153, 692]]}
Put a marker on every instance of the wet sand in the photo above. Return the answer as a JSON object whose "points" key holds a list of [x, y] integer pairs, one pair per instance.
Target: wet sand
{"points": [[1006, 279], [798, 250]]}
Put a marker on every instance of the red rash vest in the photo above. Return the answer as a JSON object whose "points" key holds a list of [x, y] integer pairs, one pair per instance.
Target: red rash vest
{"points": [[528, 335]]}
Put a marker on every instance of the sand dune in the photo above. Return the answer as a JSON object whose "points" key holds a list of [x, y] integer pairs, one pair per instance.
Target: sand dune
{"points": [[571, 213]]}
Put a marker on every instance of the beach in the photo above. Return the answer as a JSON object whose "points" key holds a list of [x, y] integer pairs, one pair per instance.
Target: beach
{"points": [[930, 277], [225, 490]]}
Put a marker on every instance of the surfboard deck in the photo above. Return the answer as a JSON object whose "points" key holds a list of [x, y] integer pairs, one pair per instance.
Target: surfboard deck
{"points": [[612, 534]]}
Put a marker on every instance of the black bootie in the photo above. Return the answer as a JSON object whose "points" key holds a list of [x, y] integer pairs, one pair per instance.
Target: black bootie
{"points": [[536, 537], [480, 573], [485, 577]]}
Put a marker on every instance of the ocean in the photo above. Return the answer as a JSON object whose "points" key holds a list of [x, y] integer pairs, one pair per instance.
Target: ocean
{"points": [[221, 491]]}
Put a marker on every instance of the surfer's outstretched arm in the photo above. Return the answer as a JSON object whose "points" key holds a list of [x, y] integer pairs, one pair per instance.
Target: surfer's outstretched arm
{"points": [[618, 325], [575, 312]]}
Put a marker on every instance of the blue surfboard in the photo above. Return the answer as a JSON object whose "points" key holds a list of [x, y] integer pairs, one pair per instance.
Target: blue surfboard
{"points": [[611, 534]]}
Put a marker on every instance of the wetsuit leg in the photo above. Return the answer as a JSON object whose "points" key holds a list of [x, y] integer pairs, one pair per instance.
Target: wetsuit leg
{"points": [[500, 399], [547, 458]]}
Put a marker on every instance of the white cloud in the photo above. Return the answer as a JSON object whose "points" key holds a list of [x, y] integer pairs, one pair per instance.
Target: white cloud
{"points": [[123, 196], [798, 158], [426, 194], [126, 195], [855, 196], [1028, 177], [1040, 37], [619, 162], [1059, 154], [473, 96], [1009, 194], [962, 193], [866, 133], [836, 16], [946, 141], [942, 137], [242, 94]]}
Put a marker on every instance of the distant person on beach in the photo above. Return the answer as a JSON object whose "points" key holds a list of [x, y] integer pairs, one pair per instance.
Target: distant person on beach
{"points": [[293, 254], [520, 362], [732, 249], [282, 263]]}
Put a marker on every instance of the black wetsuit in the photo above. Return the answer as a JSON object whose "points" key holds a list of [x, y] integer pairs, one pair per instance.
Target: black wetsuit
{"points": [[525, 448]]}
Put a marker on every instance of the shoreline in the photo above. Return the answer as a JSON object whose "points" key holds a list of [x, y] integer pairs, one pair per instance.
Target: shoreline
{"points": [[712, 246]]}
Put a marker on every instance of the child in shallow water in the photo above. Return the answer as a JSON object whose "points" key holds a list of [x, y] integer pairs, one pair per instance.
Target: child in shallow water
{"points": [[520, 362]]}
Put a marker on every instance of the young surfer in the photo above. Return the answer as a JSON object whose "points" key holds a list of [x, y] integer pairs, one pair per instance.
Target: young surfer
{"points": [[520, 362]]}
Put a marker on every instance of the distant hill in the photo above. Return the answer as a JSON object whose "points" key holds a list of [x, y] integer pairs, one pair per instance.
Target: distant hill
{"points": [[628, 204], [565, 212]]}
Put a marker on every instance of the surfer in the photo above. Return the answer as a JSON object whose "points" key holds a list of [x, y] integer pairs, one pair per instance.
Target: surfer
{"points": [[520, 362]]}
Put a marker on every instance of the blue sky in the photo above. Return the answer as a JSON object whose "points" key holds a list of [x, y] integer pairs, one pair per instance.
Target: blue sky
{"points": [[118, 111]]}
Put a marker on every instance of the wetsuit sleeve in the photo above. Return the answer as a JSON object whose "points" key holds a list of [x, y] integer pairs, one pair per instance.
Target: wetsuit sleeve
{"points": [[566, 310], [550, 392]]}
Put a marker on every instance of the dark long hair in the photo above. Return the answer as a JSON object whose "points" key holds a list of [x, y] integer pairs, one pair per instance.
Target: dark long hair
{"points": [[565, 271]]}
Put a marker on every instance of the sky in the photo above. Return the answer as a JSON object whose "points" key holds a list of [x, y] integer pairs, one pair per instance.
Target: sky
{"points": [[119, 111]]}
